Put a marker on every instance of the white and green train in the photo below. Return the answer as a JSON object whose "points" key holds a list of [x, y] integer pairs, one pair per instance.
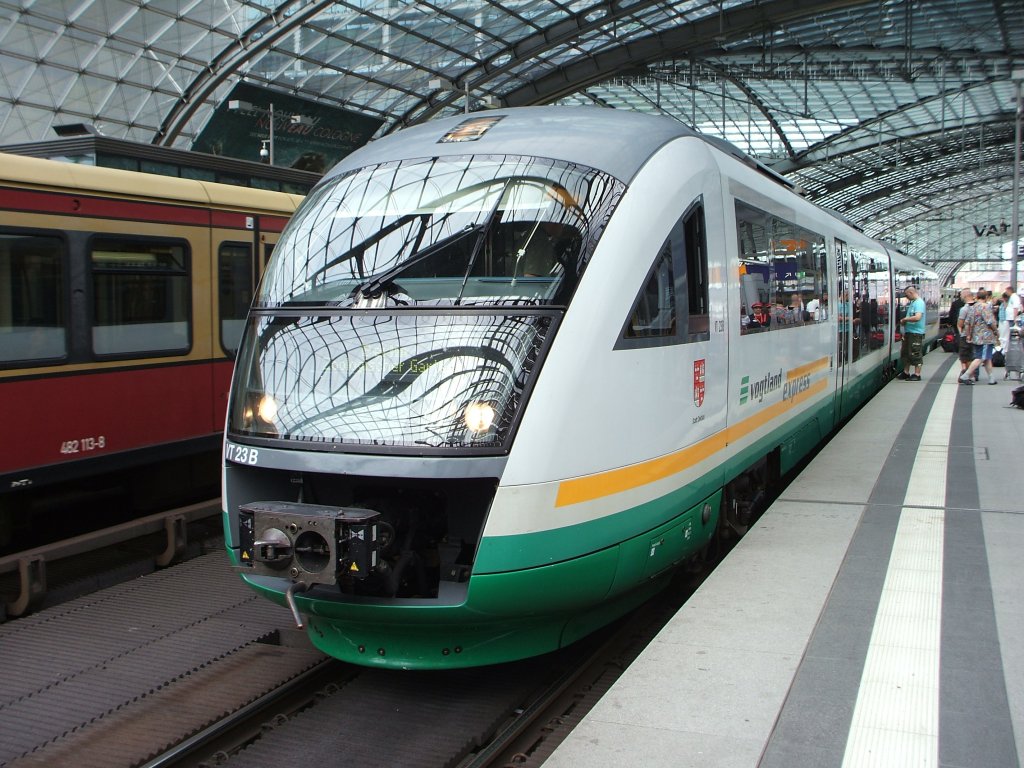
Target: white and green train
{"points": [[507, 370]]}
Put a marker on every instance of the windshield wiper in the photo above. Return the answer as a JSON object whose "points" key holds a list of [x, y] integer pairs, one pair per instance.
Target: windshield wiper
{"points": [[487, 222], [377, 283]]}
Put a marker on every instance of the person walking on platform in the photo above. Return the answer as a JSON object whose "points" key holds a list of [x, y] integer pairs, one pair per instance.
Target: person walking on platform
{"points": [[912, 350], [964, 350], [980, 329]]}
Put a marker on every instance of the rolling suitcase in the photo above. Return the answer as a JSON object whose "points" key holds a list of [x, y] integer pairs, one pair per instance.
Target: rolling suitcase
{"points": [[1014, 355]]}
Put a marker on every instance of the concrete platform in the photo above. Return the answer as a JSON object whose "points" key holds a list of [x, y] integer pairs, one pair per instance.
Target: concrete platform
{"points": [[874, 616]]}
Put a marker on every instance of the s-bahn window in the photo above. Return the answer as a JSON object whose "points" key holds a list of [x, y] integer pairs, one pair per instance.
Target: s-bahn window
{"points": [[235, 269], [31, 297], [140, 296], [679, 275], [782, 272]]}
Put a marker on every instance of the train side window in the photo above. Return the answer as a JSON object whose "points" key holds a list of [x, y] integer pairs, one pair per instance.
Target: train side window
{"points": [[799, 285], [753, 237], [140, 296], [32, 314], [235, 274], [782, 272], [696, 274]]}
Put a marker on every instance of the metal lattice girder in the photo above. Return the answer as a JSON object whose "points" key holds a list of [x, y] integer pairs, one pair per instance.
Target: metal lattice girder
{"points": [[877, 107]]}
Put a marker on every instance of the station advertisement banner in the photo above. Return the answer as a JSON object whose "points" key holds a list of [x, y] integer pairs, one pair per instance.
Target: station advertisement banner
{"points": [[308, 136]]}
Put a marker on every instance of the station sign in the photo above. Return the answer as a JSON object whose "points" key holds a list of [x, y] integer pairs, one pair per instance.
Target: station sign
{"points": [[1002, 229]]}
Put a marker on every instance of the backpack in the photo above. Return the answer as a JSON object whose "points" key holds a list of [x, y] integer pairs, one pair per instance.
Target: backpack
{"points": [[1017, 397]]}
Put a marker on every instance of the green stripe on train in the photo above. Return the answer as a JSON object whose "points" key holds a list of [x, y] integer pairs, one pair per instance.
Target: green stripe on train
{"points": [[796, 438]]}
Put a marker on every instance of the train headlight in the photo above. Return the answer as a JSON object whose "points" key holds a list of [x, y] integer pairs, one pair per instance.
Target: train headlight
{"points": [[268, 409], [479, 417], [258, 414]]}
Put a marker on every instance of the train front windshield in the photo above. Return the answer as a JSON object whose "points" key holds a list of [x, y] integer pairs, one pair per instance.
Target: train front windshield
{"points": [[456, 231], [408, 304]]}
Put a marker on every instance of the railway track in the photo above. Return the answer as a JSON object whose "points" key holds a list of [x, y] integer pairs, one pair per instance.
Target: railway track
{"points": [[512, 714], [52, 573], [185, 666]]}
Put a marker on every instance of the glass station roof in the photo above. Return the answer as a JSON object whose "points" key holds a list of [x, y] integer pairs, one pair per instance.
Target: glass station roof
{"points": [[897, 113]]}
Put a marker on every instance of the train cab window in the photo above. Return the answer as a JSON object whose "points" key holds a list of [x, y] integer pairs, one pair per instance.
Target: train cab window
{"points": [[140, 296], [235, 272], [475, 230], [32, 314], [696, 274], [672, 306], [654, 313]]}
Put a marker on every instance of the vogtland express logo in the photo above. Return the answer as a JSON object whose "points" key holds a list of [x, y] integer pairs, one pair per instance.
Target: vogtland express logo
{"points": [[763, 386]]}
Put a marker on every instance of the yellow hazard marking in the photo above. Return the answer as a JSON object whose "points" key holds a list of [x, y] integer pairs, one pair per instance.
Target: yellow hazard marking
{"points": [[245, 555], [354, 567]]}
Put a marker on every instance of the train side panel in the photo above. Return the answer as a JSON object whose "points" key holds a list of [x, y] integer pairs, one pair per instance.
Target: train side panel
{"points": [[782, 375], [570, 438], [119, 349]]}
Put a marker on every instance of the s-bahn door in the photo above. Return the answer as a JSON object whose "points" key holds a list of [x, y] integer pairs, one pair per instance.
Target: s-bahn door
{"points": [[844, 325]]}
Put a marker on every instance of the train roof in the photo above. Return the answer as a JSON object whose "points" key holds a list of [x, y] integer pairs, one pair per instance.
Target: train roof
{"points": [[33, 172], [617, 142]]}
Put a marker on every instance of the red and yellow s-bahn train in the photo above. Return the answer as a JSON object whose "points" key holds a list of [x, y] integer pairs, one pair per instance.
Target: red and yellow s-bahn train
{"points": [[122, 301]]}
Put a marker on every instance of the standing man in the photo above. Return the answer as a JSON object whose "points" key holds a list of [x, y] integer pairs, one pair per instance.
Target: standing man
{"points": [[954, 309], [912, 351]]}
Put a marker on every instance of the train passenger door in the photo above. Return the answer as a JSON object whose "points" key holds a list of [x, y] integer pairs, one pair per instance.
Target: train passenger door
{"points": [[844, 326]]}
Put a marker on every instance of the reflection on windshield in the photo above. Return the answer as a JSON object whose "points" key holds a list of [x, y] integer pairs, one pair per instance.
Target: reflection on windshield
{"points": [[371, 380], [461, 230]]}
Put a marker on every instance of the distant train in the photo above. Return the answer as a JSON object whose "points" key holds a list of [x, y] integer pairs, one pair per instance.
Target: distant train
{"points": [[506, 371], [122, 300]]}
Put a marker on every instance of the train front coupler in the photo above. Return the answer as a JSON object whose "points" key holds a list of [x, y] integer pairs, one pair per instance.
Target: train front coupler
{"points": [[309, 544]]}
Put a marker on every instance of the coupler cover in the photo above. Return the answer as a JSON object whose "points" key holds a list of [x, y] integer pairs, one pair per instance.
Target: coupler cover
{"points": [[308, 543]]}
